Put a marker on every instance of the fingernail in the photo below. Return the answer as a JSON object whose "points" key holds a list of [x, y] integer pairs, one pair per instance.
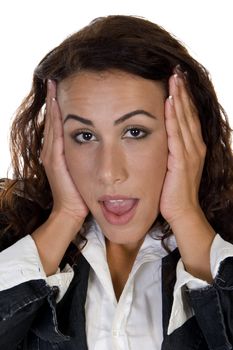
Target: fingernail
{"points": [[180, 73], [176, 78], [177, 69], [49, 83], [170, 99]]}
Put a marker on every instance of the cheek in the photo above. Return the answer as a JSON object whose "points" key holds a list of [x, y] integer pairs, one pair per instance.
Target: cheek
{"points": [[79, 166], [160, 156], [153, 167]]}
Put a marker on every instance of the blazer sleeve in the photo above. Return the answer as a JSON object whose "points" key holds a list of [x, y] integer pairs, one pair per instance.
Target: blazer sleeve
{"points": [[27, 297], [19, 307], [213, 307]]}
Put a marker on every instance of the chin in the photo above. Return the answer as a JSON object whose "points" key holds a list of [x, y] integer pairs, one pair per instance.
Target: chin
{"points": [[130, 234], [133, 231]]}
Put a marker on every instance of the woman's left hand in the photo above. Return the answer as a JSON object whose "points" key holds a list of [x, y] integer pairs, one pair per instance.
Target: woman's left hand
{"points": [[186, 153]]}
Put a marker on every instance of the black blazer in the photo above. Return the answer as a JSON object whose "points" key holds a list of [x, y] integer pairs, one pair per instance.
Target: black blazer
{"points": [[30, 319]]}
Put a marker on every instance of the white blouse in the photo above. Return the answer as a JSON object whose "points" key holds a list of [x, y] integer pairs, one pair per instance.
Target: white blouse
{"points": [[135, 321]]}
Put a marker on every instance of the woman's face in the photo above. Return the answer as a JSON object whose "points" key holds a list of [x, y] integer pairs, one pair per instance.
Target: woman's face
{"points": [[116, 145]]}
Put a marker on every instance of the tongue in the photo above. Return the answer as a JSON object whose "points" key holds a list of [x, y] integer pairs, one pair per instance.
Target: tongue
{"points": [[120, 207]]}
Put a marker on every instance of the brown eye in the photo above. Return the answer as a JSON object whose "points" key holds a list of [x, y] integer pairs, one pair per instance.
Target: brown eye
{"points": [[84, 137], [135, 133], [87, 136]]}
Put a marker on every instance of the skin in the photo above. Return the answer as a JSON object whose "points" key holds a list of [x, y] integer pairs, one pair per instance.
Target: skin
{"points": [[114, 161], [172, 156]]}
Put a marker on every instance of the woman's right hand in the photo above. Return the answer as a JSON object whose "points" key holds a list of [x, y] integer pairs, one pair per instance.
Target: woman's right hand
{"points": [[66, 197]]}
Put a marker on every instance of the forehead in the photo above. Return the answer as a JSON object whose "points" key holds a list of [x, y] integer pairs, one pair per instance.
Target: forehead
{"points": [[110, 93], [116, 82]]}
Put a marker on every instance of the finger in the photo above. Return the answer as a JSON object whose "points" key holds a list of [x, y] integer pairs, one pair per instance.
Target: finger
{"points": [[188, 121], [47, 150], [55, 113], [184, 112], [180, 113], [47, 107], [58, 143], [176, 145], [188, 114], [48, 135], [181, 81]]}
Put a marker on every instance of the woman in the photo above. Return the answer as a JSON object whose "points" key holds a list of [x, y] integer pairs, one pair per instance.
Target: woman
{"points": [[116, 231]]}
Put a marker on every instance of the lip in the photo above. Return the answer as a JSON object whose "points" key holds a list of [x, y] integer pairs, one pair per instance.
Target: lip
{"points": [[114, 197], [114, 219]]}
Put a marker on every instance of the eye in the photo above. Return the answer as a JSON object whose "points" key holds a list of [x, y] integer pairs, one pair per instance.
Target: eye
{"points": [[136, 133], [84, 137], [132, 132]]}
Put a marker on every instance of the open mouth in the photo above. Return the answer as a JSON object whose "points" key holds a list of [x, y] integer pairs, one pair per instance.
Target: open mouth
{"points": [[119, 211]]}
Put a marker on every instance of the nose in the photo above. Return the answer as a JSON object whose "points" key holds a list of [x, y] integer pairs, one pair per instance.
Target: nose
{"points": [[112, 165]]}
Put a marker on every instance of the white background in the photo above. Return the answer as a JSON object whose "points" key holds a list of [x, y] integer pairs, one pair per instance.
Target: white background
{"points": [[29, 29]]}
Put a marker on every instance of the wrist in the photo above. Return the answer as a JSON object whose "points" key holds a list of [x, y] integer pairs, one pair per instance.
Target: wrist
{"points": [[194, 237], [187, 216], [53, 238], [192, 226], [71, 222]]}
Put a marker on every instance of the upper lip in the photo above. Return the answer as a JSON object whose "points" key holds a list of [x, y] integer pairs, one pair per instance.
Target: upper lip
{"points": [[114, 197]]}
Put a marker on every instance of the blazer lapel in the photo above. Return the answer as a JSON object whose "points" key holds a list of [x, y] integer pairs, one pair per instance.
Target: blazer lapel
{"points": [[188, 336], [169, 263], [71, 309]]}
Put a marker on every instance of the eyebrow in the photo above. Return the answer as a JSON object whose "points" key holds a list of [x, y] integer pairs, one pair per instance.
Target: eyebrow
{"points": [[116, 122]]}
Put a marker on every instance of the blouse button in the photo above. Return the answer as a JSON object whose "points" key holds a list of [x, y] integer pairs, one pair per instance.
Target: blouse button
{"points": [[116, 332]]}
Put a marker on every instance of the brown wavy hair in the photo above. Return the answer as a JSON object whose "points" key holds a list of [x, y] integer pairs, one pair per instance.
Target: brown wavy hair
{"points": [[135, 45]]}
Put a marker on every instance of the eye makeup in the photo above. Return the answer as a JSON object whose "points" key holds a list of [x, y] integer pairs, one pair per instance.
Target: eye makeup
{"points": [[83, 136]]}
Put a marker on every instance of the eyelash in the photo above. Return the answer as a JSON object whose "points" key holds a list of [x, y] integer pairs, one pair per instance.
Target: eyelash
{"points": [[80, 132]]}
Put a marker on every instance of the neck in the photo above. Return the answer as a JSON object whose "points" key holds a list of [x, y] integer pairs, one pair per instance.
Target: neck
{"points": [[120, 258]]}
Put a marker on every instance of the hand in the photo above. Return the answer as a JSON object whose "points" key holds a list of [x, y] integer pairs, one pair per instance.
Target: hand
{"points": [[186, 156], [66, 198]]}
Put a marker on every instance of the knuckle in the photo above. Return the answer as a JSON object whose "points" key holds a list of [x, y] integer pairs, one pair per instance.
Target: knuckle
{"points": [[203, 149], [45, 162], [177, 132]]}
